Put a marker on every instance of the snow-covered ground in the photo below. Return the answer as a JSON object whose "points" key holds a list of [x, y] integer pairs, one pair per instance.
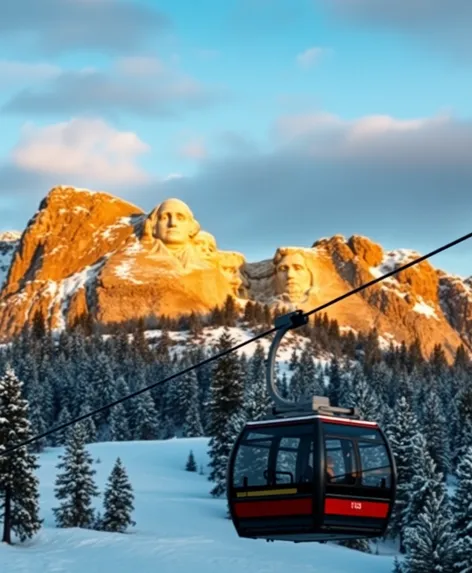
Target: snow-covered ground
{"points": [[180, 528]]}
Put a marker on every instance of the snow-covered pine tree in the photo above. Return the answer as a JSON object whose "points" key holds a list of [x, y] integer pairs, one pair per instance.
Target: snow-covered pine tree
{"points": [[189, 402], [220, 450], [145, 419], [463, 442], [88, 425], [361, 544], [38, 414], [168, 429], [103, 392], [19, 486], [119, 427], [192, 427], [60, 437], [191, 465], [365, 398], [256, 399], [226, 411], [435, 432], [398, 566], [428, 540], [117, 501], [337, 384], [75, 486], [462, 514], [403, 435], [426, 479], [379, 380]]}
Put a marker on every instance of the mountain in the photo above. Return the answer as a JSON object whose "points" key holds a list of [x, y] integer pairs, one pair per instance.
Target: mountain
{"points": [[8, 243], [88, 253]]}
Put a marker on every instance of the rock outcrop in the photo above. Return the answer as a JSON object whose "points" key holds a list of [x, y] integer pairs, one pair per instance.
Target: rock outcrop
{"points": [[8, 243], [92, 253]]}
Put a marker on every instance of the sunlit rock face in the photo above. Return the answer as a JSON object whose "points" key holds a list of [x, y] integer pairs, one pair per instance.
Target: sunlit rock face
{"points": [[88, 252]]}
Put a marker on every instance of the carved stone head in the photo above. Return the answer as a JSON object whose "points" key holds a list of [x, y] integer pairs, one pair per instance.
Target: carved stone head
{"points": [[205, 244], [175, 224], [293, 276], [230, 264]]}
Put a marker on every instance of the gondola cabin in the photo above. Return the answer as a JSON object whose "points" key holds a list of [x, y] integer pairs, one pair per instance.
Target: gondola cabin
{"points": [[311, 478]]}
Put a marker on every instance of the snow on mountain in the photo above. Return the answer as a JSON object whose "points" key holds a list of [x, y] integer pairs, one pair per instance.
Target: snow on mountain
{"points": [[8, 242], [179, 526]]}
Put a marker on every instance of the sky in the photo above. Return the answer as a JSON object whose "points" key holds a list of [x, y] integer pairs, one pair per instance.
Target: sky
{"points": [[278, 121]]}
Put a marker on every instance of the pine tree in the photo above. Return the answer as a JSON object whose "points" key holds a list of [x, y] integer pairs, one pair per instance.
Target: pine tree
{"points": [[226, 412], [119, 427], [192, 427], [337, 384], [435, 432], [191, 465], [60, 437], [462, 511], [145, 418], [189, 403], [428, 540], [398, 566], [75, 486], [19, 487], [361, 544], [220, 450], [403, 436], [118, 501], [426, 479], [364, 398], [256, 399]]}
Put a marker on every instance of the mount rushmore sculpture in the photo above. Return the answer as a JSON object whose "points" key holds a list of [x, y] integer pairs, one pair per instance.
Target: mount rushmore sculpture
{"points": [[172, 237]]}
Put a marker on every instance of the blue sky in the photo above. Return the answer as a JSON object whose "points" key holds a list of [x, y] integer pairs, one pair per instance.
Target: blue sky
{"points": [[256, 103]]}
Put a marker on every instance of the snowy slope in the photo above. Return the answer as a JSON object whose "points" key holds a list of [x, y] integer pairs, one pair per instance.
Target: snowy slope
{"points": [[180, 527], [209, 336]]}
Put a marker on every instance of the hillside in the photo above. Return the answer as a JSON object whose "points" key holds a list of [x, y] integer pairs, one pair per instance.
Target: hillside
{"points": [[179, 526], [90, 254]]}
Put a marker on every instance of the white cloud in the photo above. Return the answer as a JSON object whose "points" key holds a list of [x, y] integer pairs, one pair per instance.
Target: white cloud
{"points": [[444, 25], [440, 139], [138, 84], [13, 72], [139, 66], [310, 57], [81, 148]]}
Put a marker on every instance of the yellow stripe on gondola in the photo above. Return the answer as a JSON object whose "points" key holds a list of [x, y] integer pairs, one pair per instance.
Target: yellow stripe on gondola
{"points": [[267, 492]]}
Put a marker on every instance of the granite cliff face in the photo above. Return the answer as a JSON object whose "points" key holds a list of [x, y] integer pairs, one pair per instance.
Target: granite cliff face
{"points": [[92, 253]]}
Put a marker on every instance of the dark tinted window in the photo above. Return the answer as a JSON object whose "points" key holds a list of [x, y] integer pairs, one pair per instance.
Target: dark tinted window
{"points": [[251, 462], [340, 461], [375, 463], [292, 446], [351, 431]]}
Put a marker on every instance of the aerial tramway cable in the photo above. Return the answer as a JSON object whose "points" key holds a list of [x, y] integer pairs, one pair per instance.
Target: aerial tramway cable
{"points": [[298, 318]]}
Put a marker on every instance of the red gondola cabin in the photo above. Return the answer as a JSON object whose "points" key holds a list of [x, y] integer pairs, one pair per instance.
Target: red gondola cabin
{"points": [[311, 478]]}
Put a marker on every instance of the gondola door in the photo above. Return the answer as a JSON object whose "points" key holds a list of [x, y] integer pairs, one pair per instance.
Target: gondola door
{"points": [[360, 482], [272, 481]]}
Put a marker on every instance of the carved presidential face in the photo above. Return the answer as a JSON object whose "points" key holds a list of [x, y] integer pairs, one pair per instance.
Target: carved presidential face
{"points": [[292, 276], [205, 244], [175, 224], [230, 264]]}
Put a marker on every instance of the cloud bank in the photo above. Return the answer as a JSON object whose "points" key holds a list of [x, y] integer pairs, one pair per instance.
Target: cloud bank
{"points": [[53, 27], [139, 85], [444, 24]]}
